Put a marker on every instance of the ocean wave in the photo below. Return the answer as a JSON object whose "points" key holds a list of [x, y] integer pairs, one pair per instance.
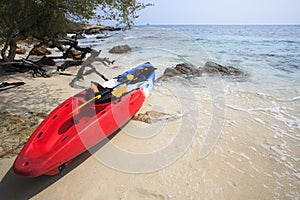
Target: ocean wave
{"points": [[282, 114]]}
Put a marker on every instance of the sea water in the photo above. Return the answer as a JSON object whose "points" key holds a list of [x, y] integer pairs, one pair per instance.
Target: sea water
{"points": [[249, 127]]}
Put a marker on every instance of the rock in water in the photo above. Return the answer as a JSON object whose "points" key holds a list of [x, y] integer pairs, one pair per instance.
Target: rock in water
{"points": [[212, 68], [120, 49], [188, 69], [170, 72], [180, 69]]}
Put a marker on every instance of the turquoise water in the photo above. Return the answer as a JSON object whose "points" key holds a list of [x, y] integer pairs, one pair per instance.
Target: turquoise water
{"points": [[275, 48], [270, 54]]}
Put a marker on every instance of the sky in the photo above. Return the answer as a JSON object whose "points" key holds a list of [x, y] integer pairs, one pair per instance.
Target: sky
{"points": [[165, 12]]}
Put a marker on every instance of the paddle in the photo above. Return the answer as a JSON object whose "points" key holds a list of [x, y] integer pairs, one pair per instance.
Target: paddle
{"points": [[85, 103], [117, 93]]}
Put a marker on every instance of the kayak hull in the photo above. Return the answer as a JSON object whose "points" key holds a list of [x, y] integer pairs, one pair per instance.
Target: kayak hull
{"points": [[63, 135]]}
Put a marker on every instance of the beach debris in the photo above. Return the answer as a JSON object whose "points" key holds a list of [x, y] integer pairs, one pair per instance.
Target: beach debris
{"points": [[6, 85], [25, 66], [74, 51], [155, 116], [15, 131], [46, 61], [89, 64], [69, 63], [120, 49]]}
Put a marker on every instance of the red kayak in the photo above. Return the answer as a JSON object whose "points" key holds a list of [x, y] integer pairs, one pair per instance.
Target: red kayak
{"points": [[65, 133]]}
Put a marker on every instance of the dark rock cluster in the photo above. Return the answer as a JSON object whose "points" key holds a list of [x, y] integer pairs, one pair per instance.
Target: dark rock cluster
{"points": [[120, 49], [210, 67]]}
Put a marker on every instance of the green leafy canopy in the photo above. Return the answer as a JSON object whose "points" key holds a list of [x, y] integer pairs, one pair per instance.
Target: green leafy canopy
{"points": [[47, 19]]}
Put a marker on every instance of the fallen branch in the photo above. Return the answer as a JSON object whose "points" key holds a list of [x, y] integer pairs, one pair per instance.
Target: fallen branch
{"points": [[69, 63], [6, 86], [25, 66], [89, 63]]}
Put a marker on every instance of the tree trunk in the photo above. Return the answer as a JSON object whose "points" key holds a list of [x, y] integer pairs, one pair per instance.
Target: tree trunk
{"points": [[3, 52], [12, 50]]}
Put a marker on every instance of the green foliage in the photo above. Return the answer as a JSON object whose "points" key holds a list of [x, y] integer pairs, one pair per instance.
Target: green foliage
{"points": [[122, 11], [47, 20]]}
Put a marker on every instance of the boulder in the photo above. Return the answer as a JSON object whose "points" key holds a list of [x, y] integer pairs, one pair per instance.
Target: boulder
{"points": [[179, 70], [40, 51], [213, 68], [188, 69], [120, 49], [170, 72], [20, 50]]}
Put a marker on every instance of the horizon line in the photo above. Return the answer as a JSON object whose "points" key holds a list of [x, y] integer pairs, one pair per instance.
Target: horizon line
{"points": [[215, 24]]}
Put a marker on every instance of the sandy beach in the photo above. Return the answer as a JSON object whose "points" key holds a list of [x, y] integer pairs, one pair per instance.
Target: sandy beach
{"points": [[221, 145], [238, 165]]}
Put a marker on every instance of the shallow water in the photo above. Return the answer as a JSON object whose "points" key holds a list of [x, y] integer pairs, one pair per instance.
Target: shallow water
{"points": [[250, 129]]}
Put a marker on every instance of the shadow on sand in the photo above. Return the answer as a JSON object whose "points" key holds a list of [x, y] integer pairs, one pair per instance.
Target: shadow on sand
{"points": [[15, 187]]}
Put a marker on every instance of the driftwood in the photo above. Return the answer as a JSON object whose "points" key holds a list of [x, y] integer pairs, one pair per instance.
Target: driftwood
{"points": [[6, 86], [89, 63], [73, 50], [25, 66], [69, 63], [74, 45]]}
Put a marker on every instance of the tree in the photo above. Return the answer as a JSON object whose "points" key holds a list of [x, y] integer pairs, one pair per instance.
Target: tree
{"points": [[49, 20]]}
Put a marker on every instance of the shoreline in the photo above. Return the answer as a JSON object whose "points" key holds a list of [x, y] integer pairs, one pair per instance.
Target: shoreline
{"points": [[252, 158]]}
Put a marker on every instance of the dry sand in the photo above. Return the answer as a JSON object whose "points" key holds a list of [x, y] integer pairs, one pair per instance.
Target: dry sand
{"points": [[242, 164]]}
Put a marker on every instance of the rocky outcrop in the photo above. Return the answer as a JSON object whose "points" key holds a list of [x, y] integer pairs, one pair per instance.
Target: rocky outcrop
{"points": [[120, 49], [170, 72], [212, 68], [96, 28], [179, 70], [188, 70]]}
